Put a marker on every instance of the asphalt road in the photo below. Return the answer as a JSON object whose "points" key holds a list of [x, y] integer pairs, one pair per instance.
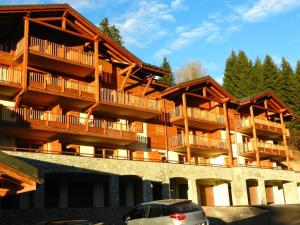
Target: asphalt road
{"points": [[276, 215]]}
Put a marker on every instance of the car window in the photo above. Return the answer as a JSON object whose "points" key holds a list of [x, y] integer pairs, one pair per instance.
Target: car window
{"points": [[167, 211], [137, 214], [187, 207], [154, 211]]}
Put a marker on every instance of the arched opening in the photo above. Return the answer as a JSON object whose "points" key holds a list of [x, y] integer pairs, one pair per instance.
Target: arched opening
{"points": [[179, 188], [130, 190], [214, 192], [252, 192]]}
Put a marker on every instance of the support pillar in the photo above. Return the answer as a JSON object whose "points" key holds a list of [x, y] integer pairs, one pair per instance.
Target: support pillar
{"points": [[25, 52], [239, 191], [114, 199], [186, 128], [262, 192], [129, 198], [63, 195], [287, 154], [98, 196], [147, 190], [228, 139], [96, 58], [24, 201], [290, 191], [193, 191], [254, 137]]}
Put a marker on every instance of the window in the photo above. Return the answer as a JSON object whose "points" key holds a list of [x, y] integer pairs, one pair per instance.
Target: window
{"points": [[137, 213], [155, 211]]}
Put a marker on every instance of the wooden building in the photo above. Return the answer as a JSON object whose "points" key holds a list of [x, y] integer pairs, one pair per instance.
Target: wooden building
{"points": [[68, 89]]}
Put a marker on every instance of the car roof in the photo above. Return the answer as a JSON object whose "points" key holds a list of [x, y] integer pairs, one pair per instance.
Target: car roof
{"points": [[167, 202]]}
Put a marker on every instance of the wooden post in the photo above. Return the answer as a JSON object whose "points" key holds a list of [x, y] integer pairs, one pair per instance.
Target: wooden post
{"points": [[186, 128], [147, 86], [228, 139], [285, 142], [204, 91], [254, 137], [125, 79], [97, 83], [25, 52]]}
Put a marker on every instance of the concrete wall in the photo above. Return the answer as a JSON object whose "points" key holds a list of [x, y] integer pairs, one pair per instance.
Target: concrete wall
{"points": [[163, 172]]}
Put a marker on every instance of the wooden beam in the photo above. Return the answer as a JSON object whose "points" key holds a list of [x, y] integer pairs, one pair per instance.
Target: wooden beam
{"points": [[147, 86], [84, 28], [60, 29], [204, 92], [265, 109], [117, 58], [127, 68], [78, 29], [186, 128], [205, 98], [125, 80], [117, 53], [48, 19], [97, 70], [287, 154], [25, 52], [228, 138], [217, 92], [254, 136]]}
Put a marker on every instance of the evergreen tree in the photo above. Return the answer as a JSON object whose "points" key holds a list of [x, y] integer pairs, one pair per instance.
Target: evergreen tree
{"points": [[285, 86], [111, 31], [296, 94], [230, 79], [166, 66], [270, 74], [256, 77], [244, 68]]}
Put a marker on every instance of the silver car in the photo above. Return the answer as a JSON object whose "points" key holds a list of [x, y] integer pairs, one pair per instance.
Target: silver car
{"points": [[166, 212]]}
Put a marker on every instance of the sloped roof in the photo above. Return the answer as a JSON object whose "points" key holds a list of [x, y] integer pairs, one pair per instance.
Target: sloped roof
{"points": [[88, 24]]}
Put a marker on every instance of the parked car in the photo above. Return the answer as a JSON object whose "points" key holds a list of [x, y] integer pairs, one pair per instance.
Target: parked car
{"points": [[67, 222], [166, 212]]}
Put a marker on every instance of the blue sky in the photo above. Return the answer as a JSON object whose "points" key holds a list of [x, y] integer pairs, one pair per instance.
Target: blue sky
{"points": [[201, 30]]}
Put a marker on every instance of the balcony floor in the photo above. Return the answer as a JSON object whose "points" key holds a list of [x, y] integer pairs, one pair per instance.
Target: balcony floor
{"points": [[264, 153], [46, 98], [198, 123], [53, 63], [37, 130], [273, 134], [9, 90], [200, 151], [125, 111]]}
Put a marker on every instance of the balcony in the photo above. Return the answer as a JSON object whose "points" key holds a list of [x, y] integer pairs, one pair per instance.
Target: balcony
{"points": [[44, 125], [53, 56], [126, 105], [265, 150], [10, 81], [198, 118], [264, 128], [201, 146], [57, 90]]}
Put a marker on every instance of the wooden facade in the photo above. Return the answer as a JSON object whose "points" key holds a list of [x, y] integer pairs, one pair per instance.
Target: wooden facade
{"points": [[71, 89]]}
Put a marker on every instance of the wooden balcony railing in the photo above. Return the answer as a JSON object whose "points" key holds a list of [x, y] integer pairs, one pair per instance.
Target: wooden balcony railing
{"points": [[198, 142], [63, 122], [10, 75], [263, 147], [57, 50], [116, 97], [197, 114], [61, 85]]}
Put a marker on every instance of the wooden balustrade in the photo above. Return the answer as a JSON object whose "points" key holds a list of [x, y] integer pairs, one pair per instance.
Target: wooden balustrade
{"points": [[24, 116], [196, 113], [10, 75], [116, 97], [48, 82], [246, 123], [198, 141], [59, 51]]}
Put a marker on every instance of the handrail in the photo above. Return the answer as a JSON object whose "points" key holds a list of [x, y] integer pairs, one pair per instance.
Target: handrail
{"points": [[57, 50], [199, 141], [114, 96], [10, 75], [25, 116], [61, 82], [246, 122], [197, 113]]}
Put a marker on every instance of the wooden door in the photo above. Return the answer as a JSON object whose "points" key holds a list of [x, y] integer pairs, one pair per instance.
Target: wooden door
{"points": [[269, 194], [253, 195], [207, 195]]}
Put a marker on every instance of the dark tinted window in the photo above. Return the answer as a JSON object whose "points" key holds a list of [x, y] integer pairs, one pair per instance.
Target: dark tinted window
{"points": [[167, 211], [137, 214], [184, 207], [154, 211]]}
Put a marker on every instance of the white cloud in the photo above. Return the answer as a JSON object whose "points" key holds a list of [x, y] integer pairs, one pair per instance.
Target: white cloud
{"points": [[143, 24], [261, 9], [179, 4]]}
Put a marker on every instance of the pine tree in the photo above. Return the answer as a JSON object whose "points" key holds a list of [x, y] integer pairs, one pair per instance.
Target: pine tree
{"points": [[230, 79], [296, 94], [285, 86], [270, 74], [166, 65], [244, 68], [111, 31], [256, 77]]}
